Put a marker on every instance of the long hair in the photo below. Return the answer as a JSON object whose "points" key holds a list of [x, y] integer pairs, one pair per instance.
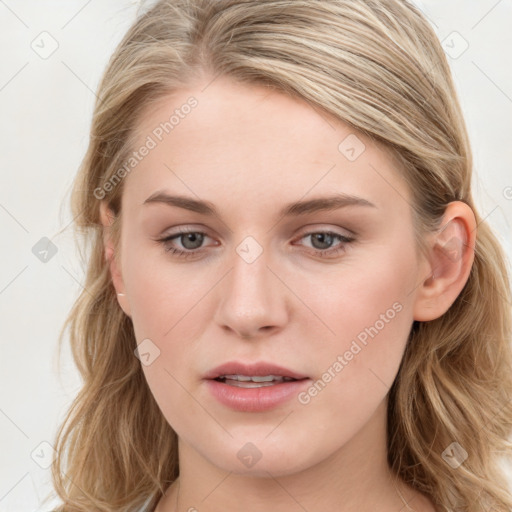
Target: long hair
{"points": [[378, 66]]}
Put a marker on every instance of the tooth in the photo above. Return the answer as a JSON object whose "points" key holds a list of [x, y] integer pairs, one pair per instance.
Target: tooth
{"points": [[250, 384], [266, 378], [256, 378]]}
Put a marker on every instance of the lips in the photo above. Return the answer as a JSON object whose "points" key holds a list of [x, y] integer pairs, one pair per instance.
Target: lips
{"points": [[254, 387], [249, 370]]}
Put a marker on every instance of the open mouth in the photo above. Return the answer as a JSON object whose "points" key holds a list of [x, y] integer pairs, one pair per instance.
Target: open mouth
{"points": [[253, 381], [254, 387]]}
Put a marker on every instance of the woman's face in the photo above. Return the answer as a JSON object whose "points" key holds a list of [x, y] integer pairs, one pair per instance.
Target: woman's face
{"points": [[321, 294]]}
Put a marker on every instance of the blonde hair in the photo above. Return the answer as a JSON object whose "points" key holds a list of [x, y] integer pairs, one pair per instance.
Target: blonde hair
{"points": [[378, 66]]}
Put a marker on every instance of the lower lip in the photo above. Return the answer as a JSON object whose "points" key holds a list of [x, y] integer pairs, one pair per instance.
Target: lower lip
{"points": [[255, 399]]}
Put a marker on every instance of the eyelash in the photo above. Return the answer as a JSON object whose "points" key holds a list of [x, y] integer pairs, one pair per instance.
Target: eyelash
{"points": [[317, 252]]}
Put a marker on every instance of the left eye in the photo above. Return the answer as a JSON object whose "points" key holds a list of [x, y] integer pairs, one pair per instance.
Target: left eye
{"points": [[323, 238], [191, 242]]}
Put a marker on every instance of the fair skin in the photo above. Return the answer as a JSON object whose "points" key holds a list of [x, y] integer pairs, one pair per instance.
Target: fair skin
{"points": [[250, 151]]}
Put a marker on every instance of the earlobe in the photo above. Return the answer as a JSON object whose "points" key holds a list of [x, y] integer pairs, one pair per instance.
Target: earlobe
{"points": [[107, 219], [451, 257]]}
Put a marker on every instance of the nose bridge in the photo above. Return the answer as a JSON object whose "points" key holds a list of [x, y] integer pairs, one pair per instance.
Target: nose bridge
{"points": [[249, 277], [252, 297]]}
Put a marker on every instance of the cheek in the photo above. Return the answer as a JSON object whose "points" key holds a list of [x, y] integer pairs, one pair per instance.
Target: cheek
{"points": [[170, 307], [164, 295], [367, 310], [166, 308], [356, 370]]}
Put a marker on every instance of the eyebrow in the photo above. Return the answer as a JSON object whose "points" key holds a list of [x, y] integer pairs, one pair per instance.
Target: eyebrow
{"points": [[328, 203]]}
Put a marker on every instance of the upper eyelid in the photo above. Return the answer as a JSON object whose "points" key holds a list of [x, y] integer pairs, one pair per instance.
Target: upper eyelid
{"points": [[350, 234], [304, 231]]}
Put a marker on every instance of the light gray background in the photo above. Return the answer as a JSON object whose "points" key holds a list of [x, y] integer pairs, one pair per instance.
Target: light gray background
{"points": [[46, 107]]}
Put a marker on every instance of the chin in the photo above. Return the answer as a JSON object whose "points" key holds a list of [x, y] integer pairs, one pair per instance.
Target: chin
{"points": [[264, 457]]}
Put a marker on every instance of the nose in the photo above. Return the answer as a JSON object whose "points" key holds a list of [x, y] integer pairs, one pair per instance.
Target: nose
{"points": [[253, 300]]}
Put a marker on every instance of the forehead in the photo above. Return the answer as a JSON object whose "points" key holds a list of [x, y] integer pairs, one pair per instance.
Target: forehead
{"points": [[253, 142]]}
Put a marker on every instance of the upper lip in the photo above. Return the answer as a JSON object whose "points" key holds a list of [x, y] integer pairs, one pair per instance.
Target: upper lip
{"points": [[260, 369]]}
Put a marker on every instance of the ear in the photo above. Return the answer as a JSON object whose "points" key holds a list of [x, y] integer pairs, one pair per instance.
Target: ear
{"points": [[451, 256], [107, 218]]}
